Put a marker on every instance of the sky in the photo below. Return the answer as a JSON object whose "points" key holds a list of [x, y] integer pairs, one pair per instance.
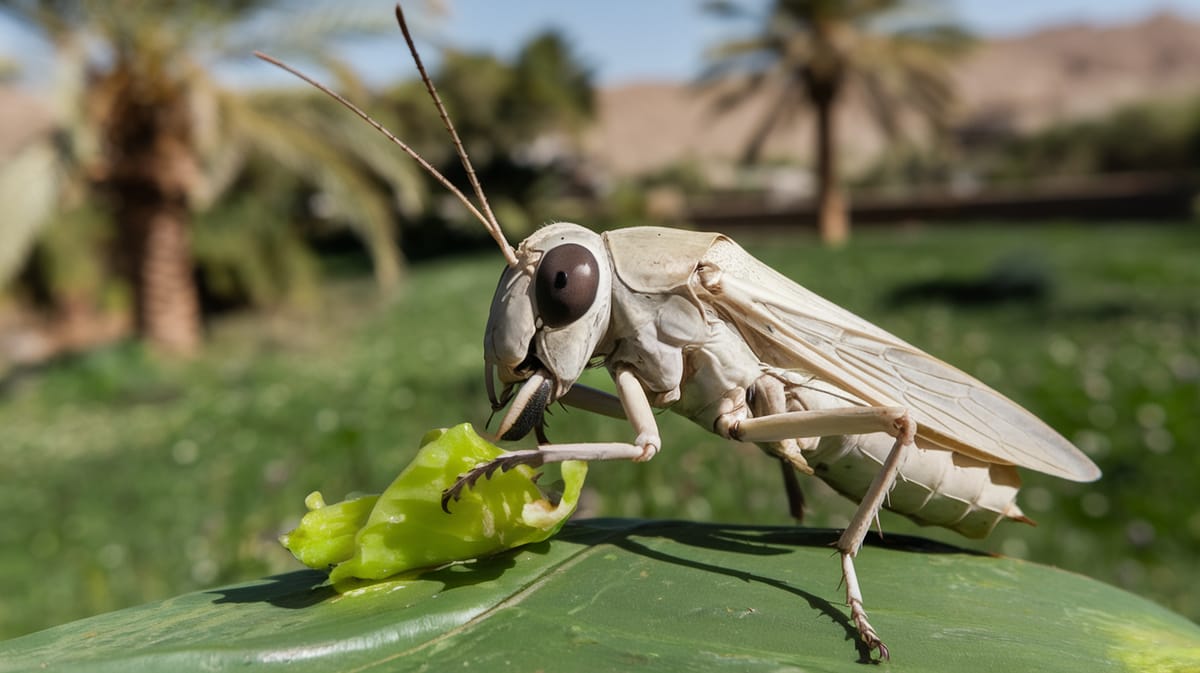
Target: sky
{"points": [[625, 40], [631, 40]]}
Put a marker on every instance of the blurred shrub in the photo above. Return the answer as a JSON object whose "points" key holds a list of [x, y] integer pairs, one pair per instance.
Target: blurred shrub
{"points": [[244, 257], [1146, 136]]}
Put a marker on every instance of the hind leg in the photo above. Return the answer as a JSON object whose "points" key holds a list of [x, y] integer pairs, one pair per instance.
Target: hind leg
{"points": [[850, 421]]}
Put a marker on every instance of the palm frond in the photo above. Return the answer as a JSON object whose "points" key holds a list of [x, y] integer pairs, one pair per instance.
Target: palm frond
{"points": [[732, 93], [752, 54], [880, 101], [727, 9], [28, 190], [55, 18], [402, 176], [346, 79], [285, 32], [779, 112], [943, 38], [888, 49], [350, 193], [221, 159]]}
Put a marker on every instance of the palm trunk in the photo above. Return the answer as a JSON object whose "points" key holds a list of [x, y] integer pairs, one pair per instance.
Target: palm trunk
{"points": [[832, 220], [152, 164], [387, 264], [165, 295]]}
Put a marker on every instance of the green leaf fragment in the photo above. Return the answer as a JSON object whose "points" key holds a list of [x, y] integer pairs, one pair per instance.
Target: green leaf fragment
{"points": [[326, 534], [404, 530]]}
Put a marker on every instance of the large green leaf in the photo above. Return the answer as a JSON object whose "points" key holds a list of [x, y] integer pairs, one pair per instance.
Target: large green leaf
{"points": [[642, 595]]}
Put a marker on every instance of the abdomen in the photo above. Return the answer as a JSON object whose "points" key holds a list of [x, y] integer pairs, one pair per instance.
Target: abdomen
{"points": [[934, 486]]}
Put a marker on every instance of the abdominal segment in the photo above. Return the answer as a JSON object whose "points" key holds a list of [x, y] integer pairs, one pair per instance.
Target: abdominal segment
{"points": [[934, 486]]}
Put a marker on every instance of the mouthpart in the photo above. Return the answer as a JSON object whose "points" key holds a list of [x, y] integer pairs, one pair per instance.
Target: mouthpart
{"points": [[528, 404]]}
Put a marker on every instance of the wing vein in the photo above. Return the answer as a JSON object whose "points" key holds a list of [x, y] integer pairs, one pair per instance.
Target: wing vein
{"points": [[791, 327]]}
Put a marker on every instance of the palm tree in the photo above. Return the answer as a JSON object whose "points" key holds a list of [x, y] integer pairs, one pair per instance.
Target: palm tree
{"points": [[812, 51], [142, 125]]}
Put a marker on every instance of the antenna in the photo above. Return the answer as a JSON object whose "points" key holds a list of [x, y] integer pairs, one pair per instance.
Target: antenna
{"points": [[458, 146], [489, 220]]}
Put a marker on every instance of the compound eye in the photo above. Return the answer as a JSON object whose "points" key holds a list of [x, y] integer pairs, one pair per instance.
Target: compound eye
{"points": [[566, 284]]}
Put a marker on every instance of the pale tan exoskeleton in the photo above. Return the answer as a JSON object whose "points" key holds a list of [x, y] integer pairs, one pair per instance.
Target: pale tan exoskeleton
{"points": [[691, 322]]}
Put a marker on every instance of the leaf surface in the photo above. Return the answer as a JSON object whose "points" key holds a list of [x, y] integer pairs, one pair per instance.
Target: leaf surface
{"points": [[626, 595]]}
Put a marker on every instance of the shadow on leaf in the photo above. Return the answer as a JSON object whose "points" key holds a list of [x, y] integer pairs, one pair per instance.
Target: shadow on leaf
{"points": [[751, 539], [305, 588], [757, 541], [815, 602], [294, 590]]}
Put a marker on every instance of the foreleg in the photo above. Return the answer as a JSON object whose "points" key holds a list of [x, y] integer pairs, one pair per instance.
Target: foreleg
{"points": [[636, 407]]}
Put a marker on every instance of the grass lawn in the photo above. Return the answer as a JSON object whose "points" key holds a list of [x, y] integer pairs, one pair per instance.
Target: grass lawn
{"points": [[125, 479]]}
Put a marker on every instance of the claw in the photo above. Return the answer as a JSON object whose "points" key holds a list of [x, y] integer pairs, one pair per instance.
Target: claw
{"points": [[867, 632], [503, 462]]}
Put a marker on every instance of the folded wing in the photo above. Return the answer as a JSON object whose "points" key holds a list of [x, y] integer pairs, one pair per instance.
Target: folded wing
{"points": [[791, 327]]}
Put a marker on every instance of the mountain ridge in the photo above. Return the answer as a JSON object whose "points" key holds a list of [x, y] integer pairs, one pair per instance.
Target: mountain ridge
{"points": [[1005, 85]]}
